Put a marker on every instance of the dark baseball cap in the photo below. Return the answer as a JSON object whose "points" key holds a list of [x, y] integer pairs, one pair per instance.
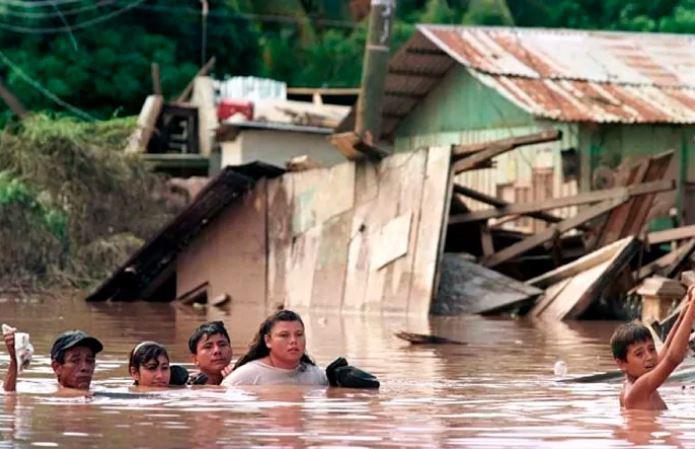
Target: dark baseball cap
{"points": [[71, 339]]}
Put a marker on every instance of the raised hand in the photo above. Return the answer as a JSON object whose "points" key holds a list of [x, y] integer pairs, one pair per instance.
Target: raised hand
{"points": [[227, 370]]}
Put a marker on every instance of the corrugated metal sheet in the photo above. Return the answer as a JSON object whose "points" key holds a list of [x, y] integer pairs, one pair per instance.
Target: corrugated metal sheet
{"points": [[564, 75]]}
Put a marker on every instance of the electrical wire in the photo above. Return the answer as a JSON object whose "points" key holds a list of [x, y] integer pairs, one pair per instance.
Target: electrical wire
{"points": [[48, 15], [45, 92], [35, 3], [77, 26]]}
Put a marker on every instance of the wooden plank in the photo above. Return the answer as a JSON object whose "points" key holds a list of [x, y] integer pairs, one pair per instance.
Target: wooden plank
{"points": [[547, 235], [331, 263], [279, 236], [611, 230], [433, 208], [465, 151], [668, 263], [579, 265], [385, 208], [575, 200], [399, 274], [549, 296], [314, 202], [580, 290], [140, 138], [671, 235], [183, 96], [391, 241], [486, 240], [156, 82], [643, 204], [302, 262], [467, 287], [483, 198]]}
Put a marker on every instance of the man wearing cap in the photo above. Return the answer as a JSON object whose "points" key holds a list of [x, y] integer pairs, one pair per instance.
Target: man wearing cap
{"points": [[73, 359]]}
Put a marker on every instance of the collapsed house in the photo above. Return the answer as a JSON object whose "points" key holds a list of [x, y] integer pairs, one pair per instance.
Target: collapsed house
{"points": [[613, 95], [523, 180]]}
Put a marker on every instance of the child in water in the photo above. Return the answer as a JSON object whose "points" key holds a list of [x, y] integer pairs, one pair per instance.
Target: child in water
{"points": [[148, 365], [645, 369]]}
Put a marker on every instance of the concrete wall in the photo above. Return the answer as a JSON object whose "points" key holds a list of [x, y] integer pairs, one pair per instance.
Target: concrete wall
{"points": [[277, 147]]}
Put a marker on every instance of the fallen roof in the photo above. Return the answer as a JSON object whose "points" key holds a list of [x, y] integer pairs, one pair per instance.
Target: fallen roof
{"points": [[565, 75], [149, 265]]}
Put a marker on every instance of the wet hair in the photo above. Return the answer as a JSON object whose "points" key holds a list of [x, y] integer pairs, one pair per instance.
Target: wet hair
{"points": [[143, 353], [258, 349], [207, 330], [627, 334]]}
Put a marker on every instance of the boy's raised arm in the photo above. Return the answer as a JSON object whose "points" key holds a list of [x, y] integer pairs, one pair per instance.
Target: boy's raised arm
{"points": [[11, 376], [645, 385]]}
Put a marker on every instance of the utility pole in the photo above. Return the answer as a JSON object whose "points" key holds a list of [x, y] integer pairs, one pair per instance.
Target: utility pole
{"points": [[204, 31], [376, 58]]}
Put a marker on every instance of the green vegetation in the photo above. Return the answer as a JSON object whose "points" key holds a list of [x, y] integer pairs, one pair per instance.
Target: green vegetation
{"points": [[97, 55], [72, 204]]}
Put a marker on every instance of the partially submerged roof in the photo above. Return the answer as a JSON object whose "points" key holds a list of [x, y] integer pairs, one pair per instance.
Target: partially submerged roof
{"points": [[565, 75], [150, 267]]}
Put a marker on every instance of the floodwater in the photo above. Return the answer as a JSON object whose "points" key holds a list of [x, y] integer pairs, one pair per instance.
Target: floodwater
{"points": [[497, 391]]}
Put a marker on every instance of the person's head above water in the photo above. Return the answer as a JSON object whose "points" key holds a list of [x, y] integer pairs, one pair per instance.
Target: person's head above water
{"points": [[148, 365], [633, 349], [280, 340], [73, 358], [211, 349]]}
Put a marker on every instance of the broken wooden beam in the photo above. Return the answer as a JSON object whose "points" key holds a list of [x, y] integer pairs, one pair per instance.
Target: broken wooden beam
{"points": [[671, 235], [668, 264], [487, 199], [574, 291], [426, 339], [548, 234], [575, 200], [496, 148], [466, 150], [186, 92], [354, 148]]}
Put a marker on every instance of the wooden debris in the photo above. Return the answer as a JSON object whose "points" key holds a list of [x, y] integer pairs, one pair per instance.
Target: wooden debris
{"points": [[466, 287], [12, 101], [426, 339], [631, 217], [688, 278], [483, 198], [671, 235], [576, 285], [355, 148], [183, 96], [668, 264], [658, 297], [584, 198], [469, 160], [301, 163], [147, 120], [549, 234]]}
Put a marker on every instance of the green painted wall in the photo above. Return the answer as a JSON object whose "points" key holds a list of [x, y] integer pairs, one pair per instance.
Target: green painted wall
{"points": [[459, 103]]}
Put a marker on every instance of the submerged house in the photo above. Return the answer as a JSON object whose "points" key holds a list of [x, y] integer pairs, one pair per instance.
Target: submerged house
{"points": [[614, 95]]}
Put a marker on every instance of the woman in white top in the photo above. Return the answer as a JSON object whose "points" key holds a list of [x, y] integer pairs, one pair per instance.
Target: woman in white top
{"points": [[277, 356]]}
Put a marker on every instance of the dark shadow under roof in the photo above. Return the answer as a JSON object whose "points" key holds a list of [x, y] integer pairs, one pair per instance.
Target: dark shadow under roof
{"points": [[152, 265]]}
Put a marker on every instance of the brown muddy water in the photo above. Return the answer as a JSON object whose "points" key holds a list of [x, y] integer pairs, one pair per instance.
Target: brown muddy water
{"points": [[498, 391]]}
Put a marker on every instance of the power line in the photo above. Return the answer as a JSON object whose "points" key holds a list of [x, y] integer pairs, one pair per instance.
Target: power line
{"points": [[36, 3], [47, 93], [49, 15], [77, 26]]}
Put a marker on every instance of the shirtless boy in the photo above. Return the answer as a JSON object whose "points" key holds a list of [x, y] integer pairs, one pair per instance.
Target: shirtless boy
{"points": [[645, 369]]}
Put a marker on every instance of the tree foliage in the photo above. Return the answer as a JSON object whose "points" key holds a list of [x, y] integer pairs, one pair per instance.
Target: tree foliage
{"points": [[97, 55]]}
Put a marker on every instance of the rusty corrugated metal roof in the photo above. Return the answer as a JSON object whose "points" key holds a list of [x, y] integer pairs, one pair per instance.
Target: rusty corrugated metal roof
{"points": [[565, 75]]}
